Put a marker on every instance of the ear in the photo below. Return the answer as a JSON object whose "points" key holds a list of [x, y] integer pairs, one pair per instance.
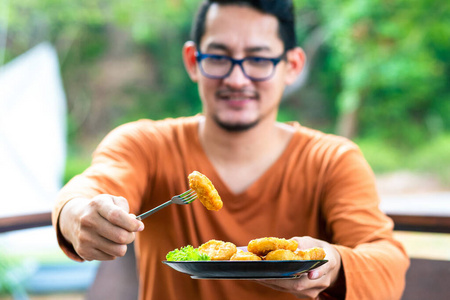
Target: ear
{"points": [[190, 62], [296, 59]]}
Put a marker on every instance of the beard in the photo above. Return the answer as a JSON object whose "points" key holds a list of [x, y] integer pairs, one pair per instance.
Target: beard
{"points": [[235, 127], [231, 126]]}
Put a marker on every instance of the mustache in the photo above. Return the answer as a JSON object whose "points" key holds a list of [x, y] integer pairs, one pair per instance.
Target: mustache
{"points": [[242, 93]]}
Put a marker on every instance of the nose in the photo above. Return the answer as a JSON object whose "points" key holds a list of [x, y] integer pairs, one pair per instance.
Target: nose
{"points": [[237, 77]]}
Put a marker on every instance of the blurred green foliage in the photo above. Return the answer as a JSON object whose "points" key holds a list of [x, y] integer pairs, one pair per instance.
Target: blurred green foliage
{"points": [[12, 273], [384, 62], [390, 61], [429, 158]]}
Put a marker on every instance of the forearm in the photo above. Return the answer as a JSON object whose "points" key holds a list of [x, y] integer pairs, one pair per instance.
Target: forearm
{"points": [[374, 270]]}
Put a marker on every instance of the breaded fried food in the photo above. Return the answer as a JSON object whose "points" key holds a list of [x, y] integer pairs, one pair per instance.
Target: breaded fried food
{"points": [[302, 254], [281, 254], [206, 192], [218, 250], [262, 246], [315, 253], [242, 255]]}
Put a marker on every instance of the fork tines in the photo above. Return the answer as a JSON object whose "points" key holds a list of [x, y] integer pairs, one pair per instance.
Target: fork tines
{"points": [[188, 196]]}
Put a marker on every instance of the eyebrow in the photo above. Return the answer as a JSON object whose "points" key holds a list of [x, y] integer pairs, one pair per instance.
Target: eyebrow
{"points": [[219, 46]]}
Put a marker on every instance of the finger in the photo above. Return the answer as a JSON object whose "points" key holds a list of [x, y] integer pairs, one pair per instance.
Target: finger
{"points": [[115, 214], [94, 225], [111, 248], [306, 242], [136, 225], [104, 228], [319, 272], [122, 203], [285, 285], [315, 274], [301, 287], [90, 242], [141, 224], [90, 248], [96, 254]]}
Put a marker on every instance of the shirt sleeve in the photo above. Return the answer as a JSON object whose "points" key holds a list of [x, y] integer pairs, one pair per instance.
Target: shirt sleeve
{"points": [[374, 262], [119, 168]]}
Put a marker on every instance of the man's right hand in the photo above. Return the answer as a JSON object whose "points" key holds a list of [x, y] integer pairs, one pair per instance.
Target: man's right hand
{"points": [[99, 229]]}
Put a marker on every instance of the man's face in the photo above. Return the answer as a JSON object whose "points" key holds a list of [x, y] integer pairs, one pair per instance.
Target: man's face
{"points": [[236, 102]]}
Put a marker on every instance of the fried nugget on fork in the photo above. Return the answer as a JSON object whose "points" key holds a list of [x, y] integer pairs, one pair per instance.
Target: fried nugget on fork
{"points": [[206, 192]]}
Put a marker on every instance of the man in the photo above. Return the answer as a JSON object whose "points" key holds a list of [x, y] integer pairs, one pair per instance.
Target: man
{"points": [[280, 180]]}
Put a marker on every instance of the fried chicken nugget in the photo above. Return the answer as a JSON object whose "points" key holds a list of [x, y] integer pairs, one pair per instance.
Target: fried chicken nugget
{"points": [[281, 254], [242, 255], [263, 246], [315, 253], [206, 192], [218, 250]]}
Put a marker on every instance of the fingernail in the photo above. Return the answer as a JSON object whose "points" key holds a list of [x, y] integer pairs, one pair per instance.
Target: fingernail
{"points": [[141, 227], [314, 275]]}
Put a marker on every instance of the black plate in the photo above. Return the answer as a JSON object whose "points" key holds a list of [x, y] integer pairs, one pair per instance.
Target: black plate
{"points": [[244, 269]]}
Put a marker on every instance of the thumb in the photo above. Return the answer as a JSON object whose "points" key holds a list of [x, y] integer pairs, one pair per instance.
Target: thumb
{"points": [[123, 204], [306, 242]]}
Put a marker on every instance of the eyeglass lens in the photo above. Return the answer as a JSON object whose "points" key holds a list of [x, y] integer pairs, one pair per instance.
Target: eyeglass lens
{"points": [[253, 67]]}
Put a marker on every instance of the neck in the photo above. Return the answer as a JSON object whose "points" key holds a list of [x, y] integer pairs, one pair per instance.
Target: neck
{"points": [[243, 147], [240, 158]]}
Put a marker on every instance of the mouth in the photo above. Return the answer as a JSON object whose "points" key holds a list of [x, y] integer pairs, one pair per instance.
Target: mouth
{"points": [[236, 98]]}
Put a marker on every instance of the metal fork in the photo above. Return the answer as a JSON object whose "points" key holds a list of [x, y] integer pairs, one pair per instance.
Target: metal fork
{"points": [[185, 198]]}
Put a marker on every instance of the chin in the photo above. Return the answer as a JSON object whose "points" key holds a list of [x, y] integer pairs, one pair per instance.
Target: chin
{"points": [[235, 127]]}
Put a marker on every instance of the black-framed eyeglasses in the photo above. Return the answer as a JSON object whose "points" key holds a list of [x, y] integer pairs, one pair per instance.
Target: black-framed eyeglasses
{"points": [[255, 68]]}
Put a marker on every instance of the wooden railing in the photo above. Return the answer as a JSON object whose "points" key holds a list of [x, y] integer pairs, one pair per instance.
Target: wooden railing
{"points": [[419, 223], [416, 223], [25, 221], [419, 212]]}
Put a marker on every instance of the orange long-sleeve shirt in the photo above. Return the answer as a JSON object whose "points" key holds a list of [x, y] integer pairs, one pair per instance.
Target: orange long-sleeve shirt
{"points": [[321, 186]]}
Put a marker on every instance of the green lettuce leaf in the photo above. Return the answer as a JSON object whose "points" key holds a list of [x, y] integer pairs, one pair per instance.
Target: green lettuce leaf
{"points": [[187, 253]]}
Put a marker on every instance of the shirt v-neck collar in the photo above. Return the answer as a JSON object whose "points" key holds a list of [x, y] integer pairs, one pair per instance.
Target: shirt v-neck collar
{"points": [[256, 187]]}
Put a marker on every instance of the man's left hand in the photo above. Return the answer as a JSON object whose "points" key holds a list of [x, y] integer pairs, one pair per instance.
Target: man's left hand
{"points": [[312, 283]]}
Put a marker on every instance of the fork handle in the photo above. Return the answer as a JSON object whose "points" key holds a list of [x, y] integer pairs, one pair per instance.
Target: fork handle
{"points": [[152, 211]]}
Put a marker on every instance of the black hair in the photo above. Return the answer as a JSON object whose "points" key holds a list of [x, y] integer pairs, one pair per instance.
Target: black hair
{"points": [[283, 10]]}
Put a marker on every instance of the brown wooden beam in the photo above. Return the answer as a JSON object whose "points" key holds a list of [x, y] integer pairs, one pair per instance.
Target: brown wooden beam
{"points": [[437, 224], [25, 221], [417, 223]]}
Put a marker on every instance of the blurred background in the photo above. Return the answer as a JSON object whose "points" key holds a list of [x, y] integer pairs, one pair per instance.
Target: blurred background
{"points": [[378, 72]]}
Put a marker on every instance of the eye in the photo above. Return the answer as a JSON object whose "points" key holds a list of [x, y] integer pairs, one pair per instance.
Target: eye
{"points": [[258, 61], [218, 59]]}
